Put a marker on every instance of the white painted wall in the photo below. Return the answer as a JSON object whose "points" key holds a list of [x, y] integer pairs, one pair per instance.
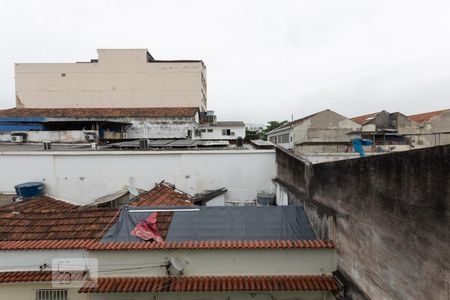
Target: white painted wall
{"points": [[27, 291], [84, 176], [223, 262], [197, 263]]}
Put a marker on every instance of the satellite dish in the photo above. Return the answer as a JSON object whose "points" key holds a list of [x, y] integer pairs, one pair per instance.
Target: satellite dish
{"points": [[176, 266]]}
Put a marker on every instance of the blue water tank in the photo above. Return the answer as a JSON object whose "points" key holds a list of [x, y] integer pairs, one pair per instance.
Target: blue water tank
{"points": [[29, 189]]}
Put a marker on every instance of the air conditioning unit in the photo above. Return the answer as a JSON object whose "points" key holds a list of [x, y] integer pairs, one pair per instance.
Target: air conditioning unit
{"points": [[17, 139], [124, 135]]}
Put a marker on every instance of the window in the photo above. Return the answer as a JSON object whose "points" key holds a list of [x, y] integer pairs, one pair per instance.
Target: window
{"points": [[203, 130], [210, 130], [283, 138], [226, 132], [51, 294]]}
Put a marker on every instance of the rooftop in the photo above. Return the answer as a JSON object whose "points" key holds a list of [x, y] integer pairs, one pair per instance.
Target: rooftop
{"points": [[37, 204], [179, 284], [425, 117], [296, 122], [57, 225], [46, 223], [363, 119], [154, 145], [210, 283], [162, 195], [99, 112], [225, 124]]}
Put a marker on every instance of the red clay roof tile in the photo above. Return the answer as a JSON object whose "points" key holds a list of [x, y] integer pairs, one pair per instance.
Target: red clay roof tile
{"points": [[163, 194], [99, 112], [211, 284], [55, 225], [38, 204], [94, 245], [40, 276], [364, 118], [425, 117]]}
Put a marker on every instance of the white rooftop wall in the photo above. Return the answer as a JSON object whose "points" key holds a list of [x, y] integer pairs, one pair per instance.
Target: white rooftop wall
{"points": [[84, 176]]}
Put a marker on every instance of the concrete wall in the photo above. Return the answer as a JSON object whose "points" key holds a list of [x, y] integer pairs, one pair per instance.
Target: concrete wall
{"points": [[160, 127], [440, 123], [120, 78], [391, 214], [85, 176], [63, 136]]}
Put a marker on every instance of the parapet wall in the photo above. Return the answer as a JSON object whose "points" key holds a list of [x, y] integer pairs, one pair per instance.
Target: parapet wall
{"points": [[391, 217]]}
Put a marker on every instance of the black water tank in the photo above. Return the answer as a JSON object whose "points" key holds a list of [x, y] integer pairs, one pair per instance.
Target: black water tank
{"points": [[239, 142], [143, 144]]}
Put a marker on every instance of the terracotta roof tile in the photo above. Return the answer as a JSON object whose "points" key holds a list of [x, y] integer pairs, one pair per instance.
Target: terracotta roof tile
{"points": [[55, 225], [163, 194], [38, 204], [91, 244], [40, 276], [99, 112], [425, 117], [211, 284], [364, 118]]}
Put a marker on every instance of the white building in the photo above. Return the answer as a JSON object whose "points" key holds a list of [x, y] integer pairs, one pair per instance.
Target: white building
{"points": [[226, 130]]}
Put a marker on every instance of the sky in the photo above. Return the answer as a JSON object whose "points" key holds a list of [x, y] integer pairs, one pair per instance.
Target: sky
{"points": [[266, 60]]}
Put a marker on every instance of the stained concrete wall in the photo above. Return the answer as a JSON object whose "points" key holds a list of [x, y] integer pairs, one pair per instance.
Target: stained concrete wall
{"points": [[392, 216], [440, 123]]}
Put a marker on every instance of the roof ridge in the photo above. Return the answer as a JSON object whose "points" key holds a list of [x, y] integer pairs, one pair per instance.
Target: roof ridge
{"points": [[95, 245]]}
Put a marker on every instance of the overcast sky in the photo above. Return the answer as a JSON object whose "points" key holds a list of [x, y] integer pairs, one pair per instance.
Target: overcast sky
{"points": [[266, 60]]}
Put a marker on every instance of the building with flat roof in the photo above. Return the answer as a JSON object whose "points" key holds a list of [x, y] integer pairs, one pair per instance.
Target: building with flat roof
{"points": [[118, 78]]}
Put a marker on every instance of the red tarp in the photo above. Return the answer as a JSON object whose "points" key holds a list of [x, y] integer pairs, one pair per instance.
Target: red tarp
{"points": [[147, 229]]}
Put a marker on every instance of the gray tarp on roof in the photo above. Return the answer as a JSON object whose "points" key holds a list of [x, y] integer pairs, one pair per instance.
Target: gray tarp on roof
{"points": [[228, 223], [225, 223], [120, 231]]}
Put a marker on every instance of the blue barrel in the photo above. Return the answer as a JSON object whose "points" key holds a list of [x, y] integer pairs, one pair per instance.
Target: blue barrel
{"points": [[29, 189]]}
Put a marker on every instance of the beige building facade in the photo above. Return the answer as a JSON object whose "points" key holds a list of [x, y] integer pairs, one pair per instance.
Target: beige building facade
{"points": [[322, 132], [118, 78]]}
